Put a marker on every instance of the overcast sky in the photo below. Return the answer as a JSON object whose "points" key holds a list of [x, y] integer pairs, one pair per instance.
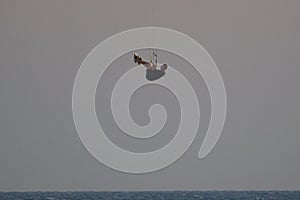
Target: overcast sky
{"points": [[255, 44]]}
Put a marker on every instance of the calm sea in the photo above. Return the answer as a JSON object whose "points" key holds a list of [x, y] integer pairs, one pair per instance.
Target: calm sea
{"points": [[191, 195]]}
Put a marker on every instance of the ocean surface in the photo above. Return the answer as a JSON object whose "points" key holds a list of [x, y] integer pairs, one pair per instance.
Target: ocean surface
{"points": [[191, 195]]}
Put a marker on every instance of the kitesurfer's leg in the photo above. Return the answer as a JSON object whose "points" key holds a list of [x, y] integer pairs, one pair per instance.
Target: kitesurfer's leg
{"points": [[148, 65]]}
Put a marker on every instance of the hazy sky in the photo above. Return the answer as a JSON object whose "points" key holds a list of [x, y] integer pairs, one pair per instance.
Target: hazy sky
{"points": [[255, 44]]}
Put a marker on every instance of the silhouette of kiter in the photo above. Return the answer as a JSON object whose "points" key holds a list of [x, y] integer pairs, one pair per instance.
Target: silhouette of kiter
{"points": [[152, 73]]}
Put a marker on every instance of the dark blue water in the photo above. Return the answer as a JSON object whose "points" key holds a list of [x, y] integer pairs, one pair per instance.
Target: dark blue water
{"points": [[191, 195]]}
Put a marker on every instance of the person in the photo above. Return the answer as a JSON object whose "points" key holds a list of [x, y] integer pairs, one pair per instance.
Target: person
{"points": [[152, 73]]}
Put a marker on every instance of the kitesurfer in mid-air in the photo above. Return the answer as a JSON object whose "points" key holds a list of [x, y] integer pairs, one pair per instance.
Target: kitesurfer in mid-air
{"points": [[152, 73]]}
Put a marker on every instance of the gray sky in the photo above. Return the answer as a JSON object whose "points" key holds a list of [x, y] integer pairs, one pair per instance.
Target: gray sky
{"points": [[255, 44]]}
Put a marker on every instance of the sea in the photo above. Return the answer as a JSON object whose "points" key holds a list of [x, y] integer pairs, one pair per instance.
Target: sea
{"points": [[166, 195]]}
